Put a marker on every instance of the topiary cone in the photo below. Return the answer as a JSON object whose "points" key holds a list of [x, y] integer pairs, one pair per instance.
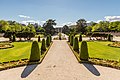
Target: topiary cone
{"points": [[80, 37], [38, 38], [43, 46], [48, 41], [84, 51], [76, 44], [35, 52], [71, 40]]}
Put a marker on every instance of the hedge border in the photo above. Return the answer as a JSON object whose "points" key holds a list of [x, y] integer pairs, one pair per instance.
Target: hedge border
{"points": [[18, 63], [96, 61]]}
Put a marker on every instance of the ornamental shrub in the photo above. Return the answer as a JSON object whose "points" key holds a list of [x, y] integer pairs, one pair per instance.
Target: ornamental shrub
{"points": [[48, 41], [84, 51], [39, 39], [80, 37], [76, 44], [35, 52], [110, 37], [71, 40], [14, 38], [43, 46]]}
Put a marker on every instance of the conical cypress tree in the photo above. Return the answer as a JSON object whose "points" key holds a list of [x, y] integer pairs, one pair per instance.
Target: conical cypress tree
{"points": [[14, 38], [109, 37], [48, 41], [43, 46], [84, 51], [76, 44], [71, 40], [39, 39], [35, 52], [80, 37]]}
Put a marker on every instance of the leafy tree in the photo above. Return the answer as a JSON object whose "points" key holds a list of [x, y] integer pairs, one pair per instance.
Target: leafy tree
{"points": [[48, 26], [81, 25], [65, 29], [3, 25]]}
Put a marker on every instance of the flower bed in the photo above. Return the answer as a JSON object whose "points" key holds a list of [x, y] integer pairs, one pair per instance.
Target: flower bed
{"points": [[5, 45], [115, 44]]}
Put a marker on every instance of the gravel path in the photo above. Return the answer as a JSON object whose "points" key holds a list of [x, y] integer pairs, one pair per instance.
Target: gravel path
{"points": [[60, 64]]}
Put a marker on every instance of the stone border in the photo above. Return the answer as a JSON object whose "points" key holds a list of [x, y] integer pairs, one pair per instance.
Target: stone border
{"points": [[22, 62]]}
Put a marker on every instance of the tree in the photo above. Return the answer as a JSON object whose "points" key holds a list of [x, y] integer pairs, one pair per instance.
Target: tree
{"points": [[81, 25], [31, 27], [48, 26], [65, 29], [3, 25]]}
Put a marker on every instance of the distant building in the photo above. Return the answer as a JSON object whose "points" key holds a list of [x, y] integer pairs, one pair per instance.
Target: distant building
{"points": [[58, 29]]}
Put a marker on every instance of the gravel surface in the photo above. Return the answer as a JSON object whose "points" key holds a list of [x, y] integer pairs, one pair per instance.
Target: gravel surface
{"points": [[60, 64]]}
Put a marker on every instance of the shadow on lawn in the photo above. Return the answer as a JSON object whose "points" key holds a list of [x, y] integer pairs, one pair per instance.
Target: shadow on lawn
{"points": [[28, 70], [92, 69]]}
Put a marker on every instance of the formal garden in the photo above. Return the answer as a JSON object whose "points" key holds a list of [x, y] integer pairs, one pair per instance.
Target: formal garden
{"points": [[21, 50], [100, 50]]}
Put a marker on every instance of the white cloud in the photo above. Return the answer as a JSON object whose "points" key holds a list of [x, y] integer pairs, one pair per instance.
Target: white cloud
{"points": [[69, 23], [112, 18], [98, 21], [29, 21], [23, 16]]}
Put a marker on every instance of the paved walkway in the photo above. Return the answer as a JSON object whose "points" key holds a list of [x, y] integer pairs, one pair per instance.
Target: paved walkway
{"points": [[60, 64]]}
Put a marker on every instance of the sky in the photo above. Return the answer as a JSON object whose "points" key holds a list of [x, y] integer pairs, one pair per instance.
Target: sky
{"points": [[63, 11]]}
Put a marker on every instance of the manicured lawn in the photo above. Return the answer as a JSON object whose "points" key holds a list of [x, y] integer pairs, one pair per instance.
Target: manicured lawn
{"points": [[99, 49], [20, 50]]}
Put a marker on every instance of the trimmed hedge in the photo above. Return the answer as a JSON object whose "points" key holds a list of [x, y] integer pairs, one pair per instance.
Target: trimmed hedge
{"points": [[80, 37], [35, 52], [110, 37], [39, 39], [84, 51], [76, 44], [14, 38], [48, 41], [71, 40], [43, 46]]}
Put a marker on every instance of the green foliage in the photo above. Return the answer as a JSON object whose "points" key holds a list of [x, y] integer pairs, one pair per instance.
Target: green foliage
{"points": [[50, 38], [14, 38], [71, 40], [80, 37], [84, 51], [39, 39], [48, 26], [76, 44], [60, 36], [110, 37], [48, 41], [35, 52], [65, 29], [43, 46]]}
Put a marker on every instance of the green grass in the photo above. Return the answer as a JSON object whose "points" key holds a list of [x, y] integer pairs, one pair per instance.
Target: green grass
{"points": [[20, 50], [99, 49]]}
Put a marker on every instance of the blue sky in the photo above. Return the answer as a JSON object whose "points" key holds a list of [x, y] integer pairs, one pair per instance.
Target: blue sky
{"points": [[64, 11]]}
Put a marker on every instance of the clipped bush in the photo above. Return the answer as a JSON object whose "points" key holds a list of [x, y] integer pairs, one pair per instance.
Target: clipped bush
{"points": [[50, 38], [71, 40], [76, 44], [84, 51], [110, 37], [48, 41], [60, 35], [35, 52], [80, 37], [43, 46], [14, 38], [39, 39]]}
